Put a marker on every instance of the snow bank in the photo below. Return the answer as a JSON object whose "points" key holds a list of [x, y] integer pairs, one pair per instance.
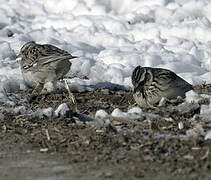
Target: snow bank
{"points": [[169, 34]]}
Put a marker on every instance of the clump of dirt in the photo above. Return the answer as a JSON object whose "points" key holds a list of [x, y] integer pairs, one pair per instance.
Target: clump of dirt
{"points": [[152, 147]]}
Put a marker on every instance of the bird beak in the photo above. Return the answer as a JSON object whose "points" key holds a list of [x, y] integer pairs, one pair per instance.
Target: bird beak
{"points": [[18, 56], [74, 57]]}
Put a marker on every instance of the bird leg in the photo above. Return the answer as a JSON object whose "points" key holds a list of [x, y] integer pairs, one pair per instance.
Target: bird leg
{"points": [[71, 96], [37, 89], [35, 92]]}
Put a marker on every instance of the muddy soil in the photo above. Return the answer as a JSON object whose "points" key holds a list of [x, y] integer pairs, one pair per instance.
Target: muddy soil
{"points": [[70, 148]]}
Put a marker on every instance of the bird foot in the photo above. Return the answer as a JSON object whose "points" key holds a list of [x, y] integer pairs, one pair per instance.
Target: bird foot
{"points": [[31, 98], [71, 96]]}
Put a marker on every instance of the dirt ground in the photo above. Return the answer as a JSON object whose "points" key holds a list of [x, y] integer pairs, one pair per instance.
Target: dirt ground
{"points": [[68, 148]]}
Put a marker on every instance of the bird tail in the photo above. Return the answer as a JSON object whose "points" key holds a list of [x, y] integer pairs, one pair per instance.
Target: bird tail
{"points": [[50, 59]]}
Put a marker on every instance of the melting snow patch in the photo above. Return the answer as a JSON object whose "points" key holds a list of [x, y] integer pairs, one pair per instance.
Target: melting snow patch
{"points": [[133, 113], [118, 113], [192, 96], [63, 111], [208, 135], [186, 107], [21, 110], [135, 110], [205, 112], [197, 130], [46, 112], [5, 99], [101, 114], [100, 117]]}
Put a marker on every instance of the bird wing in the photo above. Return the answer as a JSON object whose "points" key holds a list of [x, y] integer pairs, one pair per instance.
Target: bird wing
{"points": [[49, 54], [164, 75], [53, 58], [167, 77]]}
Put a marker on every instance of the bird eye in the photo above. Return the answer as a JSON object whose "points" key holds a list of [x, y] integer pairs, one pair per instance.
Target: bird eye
{"points": [[147, 77], [25, 67]]}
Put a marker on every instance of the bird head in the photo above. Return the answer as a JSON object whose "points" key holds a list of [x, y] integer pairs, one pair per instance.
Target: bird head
{"points": [[25, 48], [141, 76]]}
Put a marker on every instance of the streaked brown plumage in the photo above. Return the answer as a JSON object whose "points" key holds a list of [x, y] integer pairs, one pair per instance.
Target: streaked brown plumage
{"points": [[43, 63], [151, 84]]}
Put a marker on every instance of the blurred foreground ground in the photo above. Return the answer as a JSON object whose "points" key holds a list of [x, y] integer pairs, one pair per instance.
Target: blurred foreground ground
{"points": [[67, 148]]}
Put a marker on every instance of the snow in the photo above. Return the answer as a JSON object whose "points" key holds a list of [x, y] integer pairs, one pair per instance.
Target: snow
{"points": [[205, 112], [133, 113], [45, 112], [208, 135], [192, 96], [111, 38], [196, 131], [135, 110], [62, 110], [101, 114], [101, 118], [186, 107], [21, 110]]}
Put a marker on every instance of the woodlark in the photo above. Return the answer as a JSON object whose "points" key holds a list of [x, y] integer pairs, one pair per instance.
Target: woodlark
{"points": [[43, 63], [151, 84]]}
